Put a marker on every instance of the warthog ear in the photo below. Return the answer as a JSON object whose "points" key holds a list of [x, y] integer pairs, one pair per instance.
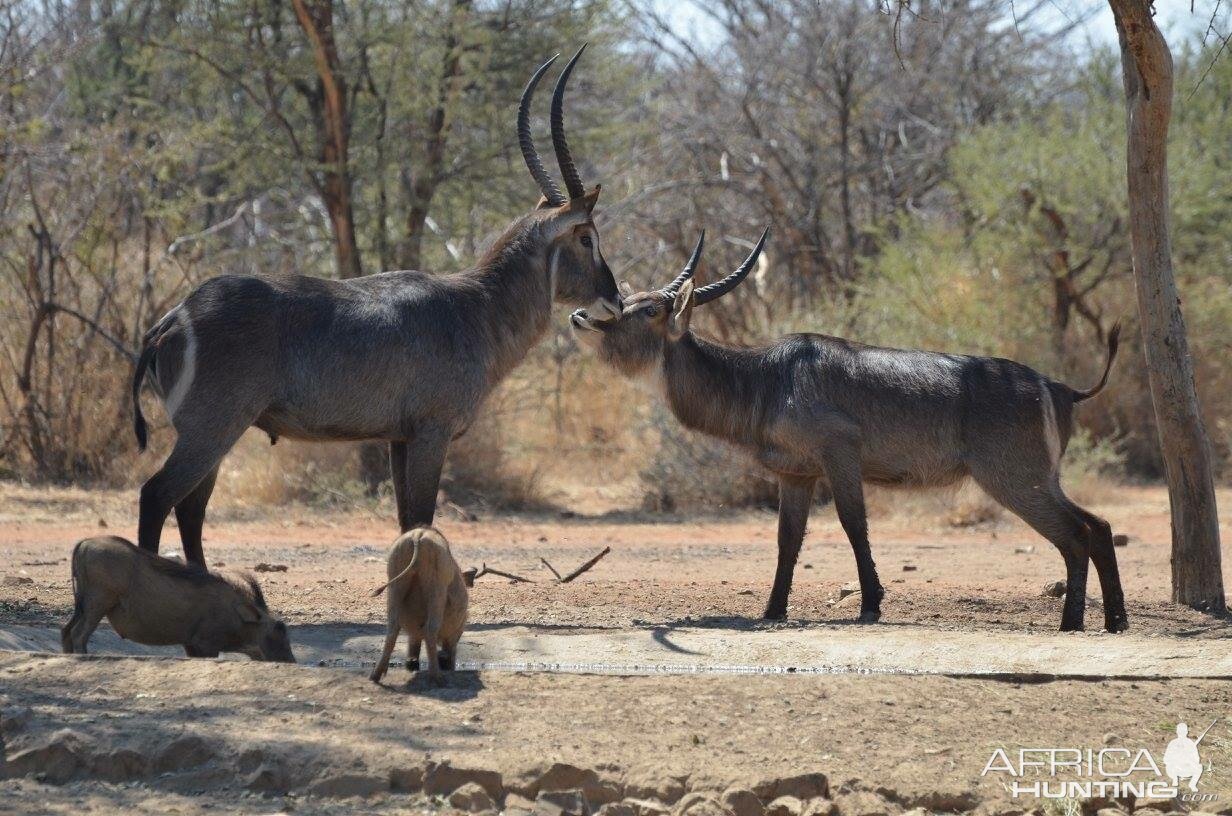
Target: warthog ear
{"points": [[249, 613], [682, 311], [468, 576]]}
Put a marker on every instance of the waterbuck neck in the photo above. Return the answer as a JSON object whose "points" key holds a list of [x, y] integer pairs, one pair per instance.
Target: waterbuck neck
{"points": [[719, 390], [513, 300]]}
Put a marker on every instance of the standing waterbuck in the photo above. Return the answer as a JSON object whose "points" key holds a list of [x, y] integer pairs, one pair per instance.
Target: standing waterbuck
{"points": [[406, 357], [809, 406]]}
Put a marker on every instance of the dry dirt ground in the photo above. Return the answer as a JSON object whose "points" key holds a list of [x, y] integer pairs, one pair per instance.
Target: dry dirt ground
{"points": [[646, 719]]}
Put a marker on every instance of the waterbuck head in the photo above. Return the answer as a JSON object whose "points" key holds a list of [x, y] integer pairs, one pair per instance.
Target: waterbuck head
{"points": [[565, 224], [634, 342]]}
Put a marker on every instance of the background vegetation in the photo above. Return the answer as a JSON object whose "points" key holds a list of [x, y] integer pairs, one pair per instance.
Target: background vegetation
{"points": [[957, 183]]}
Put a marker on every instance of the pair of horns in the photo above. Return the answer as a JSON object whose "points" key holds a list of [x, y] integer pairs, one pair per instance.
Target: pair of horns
{"points": [[573, 179], [716, 290]]}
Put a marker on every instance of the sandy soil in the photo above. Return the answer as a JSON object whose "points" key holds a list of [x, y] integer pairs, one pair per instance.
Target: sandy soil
{"points": [[919, 740]]}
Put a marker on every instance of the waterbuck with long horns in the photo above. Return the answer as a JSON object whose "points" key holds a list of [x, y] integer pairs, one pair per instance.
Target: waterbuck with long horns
{"points": [[811, 407], [405, 357]]}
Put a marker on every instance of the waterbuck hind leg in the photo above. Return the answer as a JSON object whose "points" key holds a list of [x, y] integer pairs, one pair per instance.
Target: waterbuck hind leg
{"points": [[425, 457], [190, 516], [197, 452], [1103, 555], [795, 498], [1037, 499], [397, 473]]}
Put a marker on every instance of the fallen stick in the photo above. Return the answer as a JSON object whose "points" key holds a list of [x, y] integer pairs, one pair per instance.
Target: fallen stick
{"points": [[486, 570], [550, 567], [584, 567]]}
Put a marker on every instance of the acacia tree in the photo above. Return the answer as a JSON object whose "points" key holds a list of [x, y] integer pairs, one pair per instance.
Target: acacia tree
{"points": [[1146, 62]]}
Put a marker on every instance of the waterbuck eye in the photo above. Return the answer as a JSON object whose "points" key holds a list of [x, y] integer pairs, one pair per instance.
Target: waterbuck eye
{"points": [[652, 311], [586, 242]]}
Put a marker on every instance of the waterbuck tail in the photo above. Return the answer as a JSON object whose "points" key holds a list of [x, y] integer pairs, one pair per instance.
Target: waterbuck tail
{"points": [[408, 570], [1114, 341], [143, 363]]}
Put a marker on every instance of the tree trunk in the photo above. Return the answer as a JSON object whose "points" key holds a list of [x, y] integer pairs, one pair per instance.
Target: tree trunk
{"points": [[1197, 579], [334, 127]]}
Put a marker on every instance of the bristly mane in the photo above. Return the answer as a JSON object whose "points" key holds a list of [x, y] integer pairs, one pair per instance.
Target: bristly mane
{"points": [[244, 583]]}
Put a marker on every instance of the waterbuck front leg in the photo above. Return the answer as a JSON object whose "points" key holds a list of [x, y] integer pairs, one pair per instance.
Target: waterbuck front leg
{"points": [[842, 463], [423, 459], [795, 499]]}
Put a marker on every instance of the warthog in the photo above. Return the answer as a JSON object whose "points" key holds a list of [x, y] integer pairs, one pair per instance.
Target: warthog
{"points": [[427, 600], [159, 602]]}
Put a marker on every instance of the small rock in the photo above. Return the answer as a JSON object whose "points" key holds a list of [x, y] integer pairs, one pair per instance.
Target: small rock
{"points": [[121, 765], [666, 791], [16, 580], [102, 523], [1111, 739], [1054, 589], [268, 778], [824, 807], [471, 798], [848, 589], [562, 776], [647, 807], [700, 804], [801, 786], [185, 752], [264, 567], [742, 802], [60, 760], [349, 784], [1120, 540], [862, 803], [614, 809], [14, 720], [785, 806], [517, 805], [910, 568], [406, 780], [443, 779], [1024, 550], [561, 803]]}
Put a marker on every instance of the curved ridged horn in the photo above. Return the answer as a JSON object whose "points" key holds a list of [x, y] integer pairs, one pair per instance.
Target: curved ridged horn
{"points": [[689, 268], [573, 179], [720, 288], [527, 142]]}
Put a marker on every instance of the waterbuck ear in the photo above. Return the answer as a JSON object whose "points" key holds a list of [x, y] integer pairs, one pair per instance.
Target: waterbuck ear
{"points": [[682, 312], [590, 199]]}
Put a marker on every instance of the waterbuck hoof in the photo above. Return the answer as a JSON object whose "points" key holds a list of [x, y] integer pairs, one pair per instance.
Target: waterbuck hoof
{"points": [[1072, 626], [412, 665], [870, 615], [445, 661], [774, 614], [1117, 624], [375, 677]]}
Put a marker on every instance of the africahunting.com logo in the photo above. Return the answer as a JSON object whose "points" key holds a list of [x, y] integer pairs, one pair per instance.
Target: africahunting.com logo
{"points": [[1112, 772]]}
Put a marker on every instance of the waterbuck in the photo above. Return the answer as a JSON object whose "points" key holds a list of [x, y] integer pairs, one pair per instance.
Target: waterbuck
{"points": [[406, 357], [809, 407]]}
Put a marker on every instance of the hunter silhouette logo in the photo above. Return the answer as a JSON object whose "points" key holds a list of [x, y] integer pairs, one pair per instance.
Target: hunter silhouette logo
{"points": [[1112, 771], [1181, 760]]}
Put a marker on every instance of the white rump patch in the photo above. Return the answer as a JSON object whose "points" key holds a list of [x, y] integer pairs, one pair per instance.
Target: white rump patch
{"points": [[1052, 435], [188, 367]]}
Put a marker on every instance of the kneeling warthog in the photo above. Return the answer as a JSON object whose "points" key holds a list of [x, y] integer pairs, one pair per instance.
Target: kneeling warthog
{"points": [[159, 602], [427, 599]]}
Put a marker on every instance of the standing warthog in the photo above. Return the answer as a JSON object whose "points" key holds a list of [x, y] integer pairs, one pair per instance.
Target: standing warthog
{"points": [[159, 602], [427, 600]]}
